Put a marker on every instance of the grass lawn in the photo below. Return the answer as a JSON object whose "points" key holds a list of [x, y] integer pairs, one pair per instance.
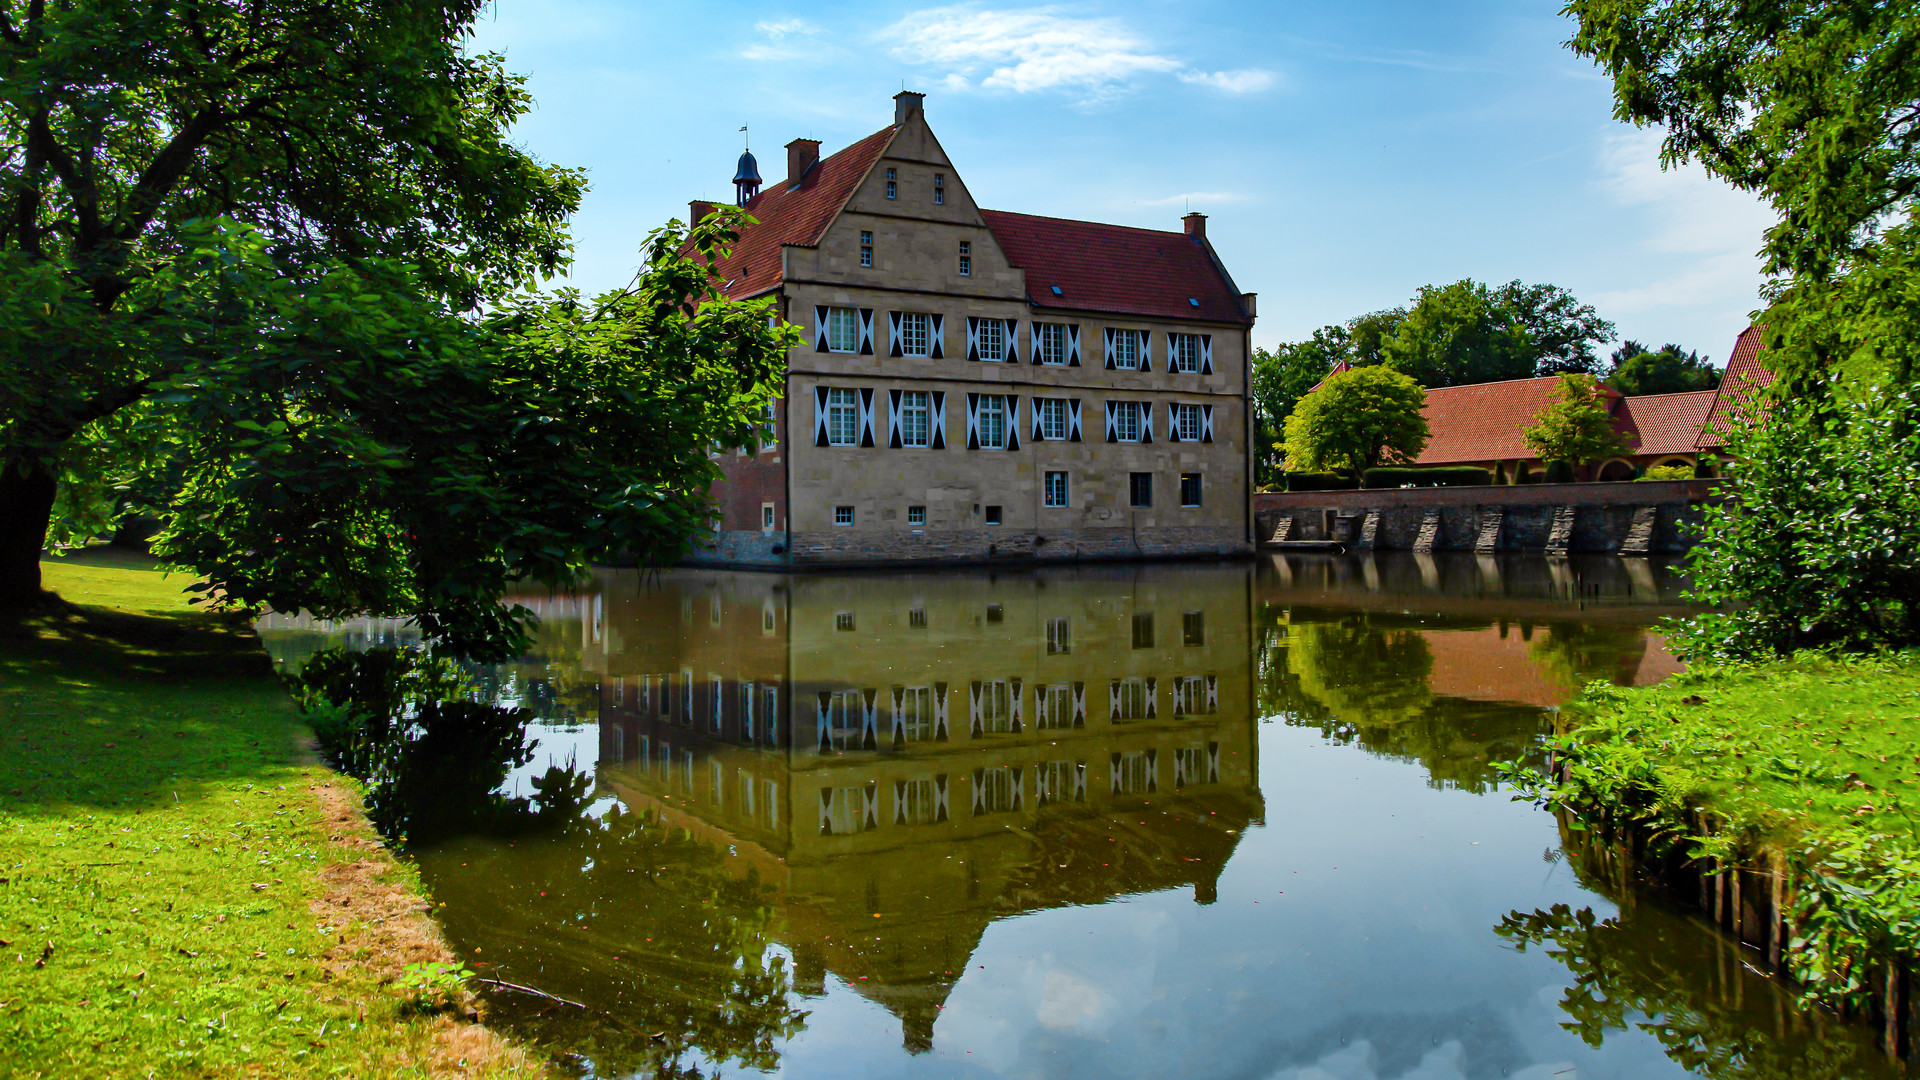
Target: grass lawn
{"points": [[183, 892]]}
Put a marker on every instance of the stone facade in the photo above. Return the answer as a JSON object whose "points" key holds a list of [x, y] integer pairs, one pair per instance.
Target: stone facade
{"points": [[806, 498]]}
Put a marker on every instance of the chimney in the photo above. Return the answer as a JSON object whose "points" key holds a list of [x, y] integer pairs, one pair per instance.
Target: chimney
{"points": [[697, 209], [1196, 224], [801, 156], [907, 105]]}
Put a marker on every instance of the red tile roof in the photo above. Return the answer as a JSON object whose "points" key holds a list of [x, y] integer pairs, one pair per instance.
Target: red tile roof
{"points": [[1484, 421], [1746, 376], [1115, 268], [1665, 423], [797, 214]]}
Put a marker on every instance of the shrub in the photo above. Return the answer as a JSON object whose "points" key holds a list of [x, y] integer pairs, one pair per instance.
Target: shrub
{"points": [[1558, 472], [1445, 476], [1669, 472], [1319, 481]]}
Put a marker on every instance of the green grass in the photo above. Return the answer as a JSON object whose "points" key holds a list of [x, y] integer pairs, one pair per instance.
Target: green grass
{"points": [[160, 844]]}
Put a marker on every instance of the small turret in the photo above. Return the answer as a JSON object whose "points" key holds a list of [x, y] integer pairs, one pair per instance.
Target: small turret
{"points": [[746, 179]]}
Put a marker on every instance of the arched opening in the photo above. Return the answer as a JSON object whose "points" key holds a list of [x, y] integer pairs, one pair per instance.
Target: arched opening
{"points": [[1615, 471], [1673, 462]]}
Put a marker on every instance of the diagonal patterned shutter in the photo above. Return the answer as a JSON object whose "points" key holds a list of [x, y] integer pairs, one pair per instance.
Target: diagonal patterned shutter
{"points": [[1173, 420], [826, 811], [1019, 786], [1206, 354], [973, 709], [1213, 694], [940, 797], [1112, 433], [1073, 345], [893, 333], [1146, 420], [899, 802], [1037, 403], [1013, 421], [1033, 338], [979, 792], [973, 337], [869, 807], [1146, 349], [1153, 770], [1114, 772], [940, 712], [819, 416], [1179, 770], [939, 419], [1206, 423], [1106, 336], [938, 344], [1113, 700], [1213, 763], [1010, 345], [819, 329], [866, 331], [1080, 704], [973, 421], [893, 419], [1080, 781], [1153, 698], [1179, 697], [823, 722], [869, 722], [866, 416], [1013, 688], [1073, 419], [899, 720]]}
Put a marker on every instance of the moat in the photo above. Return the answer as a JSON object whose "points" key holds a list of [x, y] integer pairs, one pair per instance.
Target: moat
{"points": [[1221, 820]]}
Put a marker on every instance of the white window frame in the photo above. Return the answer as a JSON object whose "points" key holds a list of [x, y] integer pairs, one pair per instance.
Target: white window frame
{"points": [[916, 713], [866, 248], [1186, 423], [939, 189], [1183, 353], [966, 258], [1052, 343], [916, 334], [992, 410], [1059, 636], [843, 330], [1056, 498], [1126, 350], [766, 517], [990, 340], [1126, 413], [1053, 418], [916, 419], [843, 417]]}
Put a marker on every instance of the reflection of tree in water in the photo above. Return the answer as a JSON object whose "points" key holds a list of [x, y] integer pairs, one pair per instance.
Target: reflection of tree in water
{"points": [[1575, 654], [664, 943], [1362, 683], [1694, 992]]}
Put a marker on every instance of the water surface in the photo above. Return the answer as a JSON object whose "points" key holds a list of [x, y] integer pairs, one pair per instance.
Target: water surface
{"points": [[1233, 820]]}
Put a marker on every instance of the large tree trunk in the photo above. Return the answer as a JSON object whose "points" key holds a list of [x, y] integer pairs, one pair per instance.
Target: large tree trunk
{"points": [[26, 507]]}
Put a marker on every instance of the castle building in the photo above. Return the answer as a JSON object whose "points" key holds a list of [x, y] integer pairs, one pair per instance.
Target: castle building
{"points": [[978, 384]]}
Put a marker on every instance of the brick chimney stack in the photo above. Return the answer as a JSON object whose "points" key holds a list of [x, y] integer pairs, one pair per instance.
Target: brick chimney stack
{"points": [[697, 209], [1196, 224], [906, 105], [801, 155]]}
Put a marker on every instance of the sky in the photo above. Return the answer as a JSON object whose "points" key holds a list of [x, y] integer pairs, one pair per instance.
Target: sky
{"points": [[1345, 153]]}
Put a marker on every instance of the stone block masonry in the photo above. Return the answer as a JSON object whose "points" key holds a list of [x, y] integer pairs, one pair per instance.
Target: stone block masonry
{"points": [[850, 548]]}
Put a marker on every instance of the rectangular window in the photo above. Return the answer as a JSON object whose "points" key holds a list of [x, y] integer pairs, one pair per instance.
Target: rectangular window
{"points": [[866, 249], [1140, 489], [990, 339], [999, 789], [916, 713], [893, 189], [1186, 423], [918, 805], [996, 707], [766, 517], [993, 515], [1134, 774], [843, 420], [1053, 343], [1053, 707], [1056, 489], [1143, 630], [843, 329], [916, 333], [966, 259], [1183, 352], [939, 189], [845, 811], [771, 437], [843, 621], [1059, 636], [992, 422], [917, 618], [1126, 421], [1131, 695], [843, 515], [1193, 628], [916, 424], [1189, 489], [1060, 781], [1053, 417], [1126, 349], [916, 515], [996, 613]]}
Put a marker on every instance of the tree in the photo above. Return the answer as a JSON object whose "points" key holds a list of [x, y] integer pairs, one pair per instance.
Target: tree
{"points": [[1468, 332], [1670, 370], [336, 132], [1280, 379], [1578, 426], [1367, 335], [1358, 420]]}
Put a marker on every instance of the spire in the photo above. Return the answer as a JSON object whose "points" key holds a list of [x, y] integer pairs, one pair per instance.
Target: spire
{"points": [[746, 178]]}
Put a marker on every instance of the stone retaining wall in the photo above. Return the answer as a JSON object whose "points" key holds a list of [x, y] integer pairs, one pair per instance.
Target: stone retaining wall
{"points": [[849, 547]]}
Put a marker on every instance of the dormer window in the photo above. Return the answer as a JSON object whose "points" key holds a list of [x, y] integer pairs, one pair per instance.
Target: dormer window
{"points": [[939, 189], [866, 248], [893, 188], [966, 258]]}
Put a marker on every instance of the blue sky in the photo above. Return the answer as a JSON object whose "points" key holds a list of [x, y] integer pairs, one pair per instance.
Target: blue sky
{"points": [[1347, 153]]}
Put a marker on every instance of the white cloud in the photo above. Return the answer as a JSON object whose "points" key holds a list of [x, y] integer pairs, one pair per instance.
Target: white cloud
{"points": [[1035, 49], [776, 46], [1187, 197], [1703, 233], [779, 28]]}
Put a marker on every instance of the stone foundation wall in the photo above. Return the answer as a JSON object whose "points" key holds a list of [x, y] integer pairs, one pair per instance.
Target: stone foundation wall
{"points": [[850, 547]]}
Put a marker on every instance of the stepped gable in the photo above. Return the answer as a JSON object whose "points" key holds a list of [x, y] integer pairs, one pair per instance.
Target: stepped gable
{"points": [[1745, 377], [1665, 423], [797, 214], [1116, 269], [1484, 421]]}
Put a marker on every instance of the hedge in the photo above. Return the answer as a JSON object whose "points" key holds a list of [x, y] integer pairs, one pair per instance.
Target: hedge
{"points": [[1445, 476], [1320, 481]]}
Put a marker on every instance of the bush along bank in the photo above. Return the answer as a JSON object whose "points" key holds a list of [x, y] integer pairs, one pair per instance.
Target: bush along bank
{"points": [[1780, 798]]}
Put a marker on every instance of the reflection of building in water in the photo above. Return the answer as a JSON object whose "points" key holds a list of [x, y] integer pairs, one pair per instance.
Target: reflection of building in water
{"points": [[908, 758]]}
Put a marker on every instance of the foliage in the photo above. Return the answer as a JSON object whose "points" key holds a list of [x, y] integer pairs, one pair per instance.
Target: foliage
{"points": [[168, 841], [1320, 481], [1668, 370], [1669, 472], [1438, 476], [1468, 332], [1818, 542], [1811, 757], [1280, 379], [1578, 426], [1358, 420]]}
